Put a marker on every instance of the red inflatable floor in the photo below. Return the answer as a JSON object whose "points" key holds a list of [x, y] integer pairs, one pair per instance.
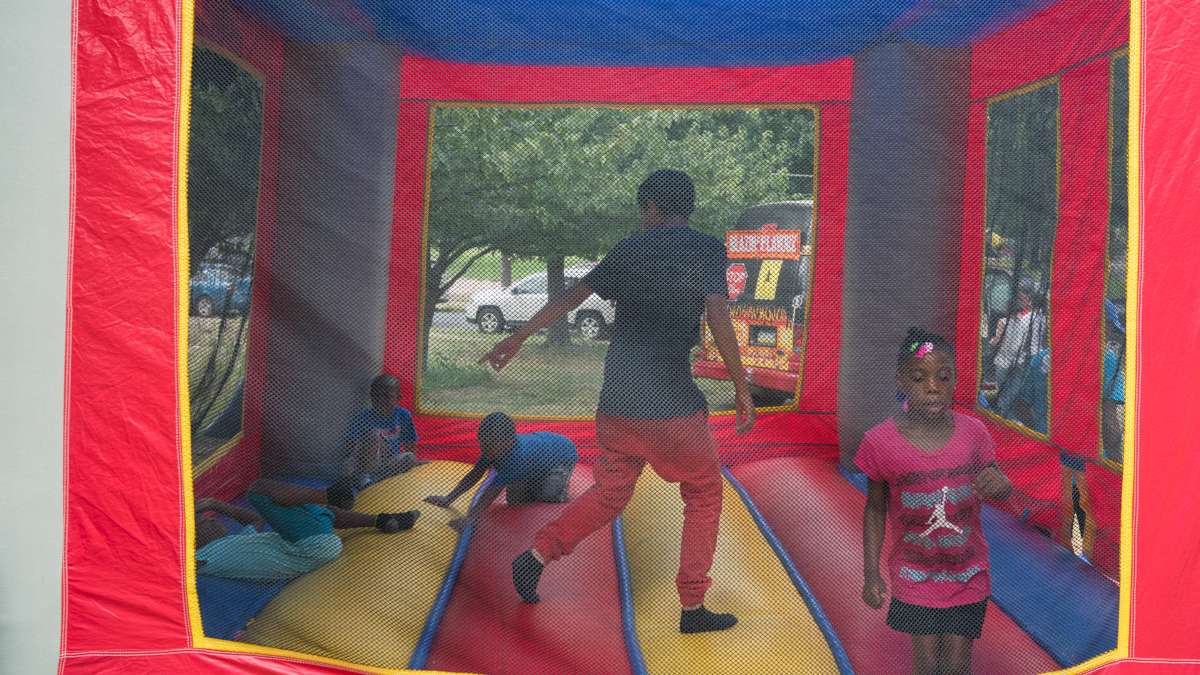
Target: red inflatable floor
{"points": [[576, 628], [817, 515]]}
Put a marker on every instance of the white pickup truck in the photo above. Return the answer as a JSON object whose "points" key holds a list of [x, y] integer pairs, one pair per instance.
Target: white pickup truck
{"points": [[502, 309]]}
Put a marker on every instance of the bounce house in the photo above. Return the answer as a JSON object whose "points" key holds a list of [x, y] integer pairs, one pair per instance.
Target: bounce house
{"points": [[291, 218]]}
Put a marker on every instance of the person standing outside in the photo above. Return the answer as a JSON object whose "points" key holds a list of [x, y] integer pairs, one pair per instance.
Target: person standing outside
{"points": [[663, 280]]}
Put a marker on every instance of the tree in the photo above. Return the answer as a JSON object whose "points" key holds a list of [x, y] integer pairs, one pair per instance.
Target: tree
{"points": [[559, 182], [224, 144]]}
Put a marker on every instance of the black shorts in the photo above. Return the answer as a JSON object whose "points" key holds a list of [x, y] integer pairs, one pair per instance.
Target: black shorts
{"points": [[964, 620]]}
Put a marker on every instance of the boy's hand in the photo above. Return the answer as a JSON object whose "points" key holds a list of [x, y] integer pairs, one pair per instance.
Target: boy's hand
{"points": [[744, 403], [991, 483], [443, 502], [874, 590], [458, 524], [503, 352]]}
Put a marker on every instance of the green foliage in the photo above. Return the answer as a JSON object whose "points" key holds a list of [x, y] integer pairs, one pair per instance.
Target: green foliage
{"points": [[1022, 181], [552, 182], [223, 152]]}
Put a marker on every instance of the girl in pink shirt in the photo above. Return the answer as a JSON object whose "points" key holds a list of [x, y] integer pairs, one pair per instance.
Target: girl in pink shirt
{"points": [[929, 468]]}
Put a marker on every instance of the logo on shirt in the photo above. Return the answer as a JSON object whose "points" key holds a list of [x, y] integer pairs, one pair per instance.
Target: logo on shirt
{"points": [[937, 519]]}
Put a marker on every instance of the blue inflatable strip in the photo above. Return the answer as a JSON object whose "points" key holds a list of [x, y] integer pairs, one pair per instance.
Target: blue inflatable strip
{"points": [[227, 605], [1065, 605], [818, 614], [637, 664], [432, 622]]}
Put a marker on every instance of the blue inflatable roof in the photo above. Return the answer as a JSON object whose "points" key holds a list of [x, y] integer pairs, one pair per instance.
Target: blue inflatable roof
{"points": [[640, 32]]}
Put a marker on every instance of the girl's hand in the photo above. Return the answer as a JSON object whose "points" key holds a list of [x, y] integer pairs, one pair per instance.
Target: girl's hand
{"points": [[503, 352], [991, 483], [874, 591]]}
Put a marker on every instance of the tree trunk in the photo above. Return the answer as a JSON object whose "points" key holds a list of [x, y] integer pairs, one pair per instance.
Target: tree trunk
{"points": [[557, 334], [505, 270]]}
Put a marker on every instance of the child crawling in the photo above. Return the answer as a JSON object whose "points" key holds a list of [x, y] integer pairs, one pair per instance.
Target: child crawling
{"points": [[929, 468]]}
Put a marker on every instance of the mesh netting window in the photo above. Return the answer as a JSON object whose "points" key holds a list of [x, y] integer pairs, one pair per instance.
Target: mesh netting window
{"points": [[223, 172], [1112, 401], [1021, 213], [524, 201]]}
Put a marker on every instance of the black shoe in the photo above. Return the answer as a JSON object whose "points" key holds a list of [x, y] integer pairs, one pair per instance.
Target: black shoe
{"points": [[526, 572], [700, 620]]}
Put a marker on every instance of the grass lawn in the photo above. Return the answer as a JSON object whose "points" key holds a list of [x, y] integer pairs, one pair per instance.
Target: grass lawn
{"points": [[538, 383], [203, 334]]}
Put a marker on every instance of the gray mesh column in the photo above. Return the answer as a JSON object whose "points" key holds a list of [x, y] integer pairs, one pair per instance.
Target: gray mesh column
{"points": [[329, 262], [903, 221]]}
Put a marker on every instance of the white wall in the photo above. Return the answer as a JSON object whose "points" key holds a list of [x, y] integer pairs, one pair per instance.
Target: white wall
{"points": [[35, 50]]}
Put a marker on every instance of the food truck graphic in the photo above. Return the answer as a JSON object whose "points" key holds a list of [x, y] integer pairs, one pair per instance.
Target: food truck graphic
{"points": [[770, 262]]}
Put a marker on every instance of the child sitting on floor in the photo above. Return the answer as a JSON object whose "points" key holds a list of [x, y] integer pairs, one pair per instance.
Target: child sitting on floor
{"points": [[381, 439]]}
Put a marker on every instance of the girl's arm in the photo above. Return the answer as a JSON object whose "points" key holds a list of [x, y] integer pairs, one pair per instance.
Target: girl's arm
{"points": [[874, 587], [991, 483]]}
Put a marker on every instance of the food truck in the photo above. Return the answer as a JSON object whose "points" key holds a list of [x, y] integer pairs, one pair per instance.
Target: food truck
{"points": [[770, 262]]}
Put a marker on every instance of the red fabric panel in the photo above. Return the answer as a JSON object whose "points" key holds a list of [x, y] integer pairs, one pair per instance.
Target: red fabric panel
{"points": [[1167, 588], [408, 256], [220, 24], [430, 79], [577, 625], [1077, 278], [788, 492], [823, 342], [774, 435], [971, 279], [123, 576], [193, 661], [1063, 35]]}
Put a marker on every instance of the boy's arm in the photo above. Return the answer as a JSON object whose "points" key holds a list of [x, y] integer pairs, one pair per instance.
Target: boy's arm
{"points": [[287, 494], [485, 500], [554, 310], [716, 308], [477, 472], [243, 516], [873, 530]]}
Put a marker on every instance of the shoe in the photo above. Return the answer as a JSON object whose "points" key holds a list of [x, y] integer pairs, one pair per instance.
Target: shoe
{"points": [[526, 573], [700, 620]]}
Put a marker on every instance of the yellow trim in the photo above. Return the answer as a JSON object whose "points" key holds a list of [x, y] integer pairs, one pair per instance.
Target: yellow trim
{"points": [[1132, 309], [186, 29], [434, 106], [218, 644], [1055, 80]]}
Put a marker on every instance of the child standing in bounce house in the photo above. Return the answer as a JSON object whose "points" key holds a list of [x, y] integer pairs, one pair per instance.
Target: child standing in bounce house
{"points": [[929, 470]]}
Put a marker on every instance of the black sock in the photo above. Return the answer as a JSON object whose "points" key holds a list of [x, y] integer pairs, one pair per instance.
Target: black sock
{"points": [[700, 620], [526, 572]]}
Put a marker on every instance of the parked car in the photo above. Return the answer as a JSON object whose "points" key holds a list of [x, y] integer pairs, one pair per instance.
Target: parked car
{"points": [[218, 289], [503, 309]]}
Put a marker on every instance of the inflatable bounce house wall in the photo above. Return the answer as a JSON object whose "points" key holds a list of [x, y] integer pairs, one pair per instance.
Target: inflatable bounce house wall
{"points": [[275, 202]]}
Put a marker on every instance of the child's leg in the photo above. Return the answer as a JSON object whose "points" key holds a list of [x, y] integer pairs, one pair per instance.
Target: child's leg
{"points": [[954, 656], [616, 475], [552, 487], [925, 653]]}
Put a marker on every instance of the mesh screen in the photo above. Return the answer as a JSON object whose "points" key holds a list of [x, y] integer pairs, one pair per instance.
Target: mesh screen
{"points": [[368, 227]]}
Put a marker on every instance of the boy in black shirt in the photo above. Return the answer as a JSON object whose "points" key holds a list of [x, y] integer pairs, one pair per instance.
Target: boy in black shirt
{"points": [[663, 279]]}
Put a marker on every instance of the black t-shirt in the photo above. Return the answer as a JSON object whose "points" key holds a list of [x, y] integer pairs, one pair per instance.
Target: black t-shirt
{"points": [[658, 279]]}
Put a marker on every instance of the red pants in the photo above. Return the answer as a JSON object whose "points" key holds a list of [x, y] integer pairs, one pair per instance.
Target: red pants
{"points": [[681, 450]]}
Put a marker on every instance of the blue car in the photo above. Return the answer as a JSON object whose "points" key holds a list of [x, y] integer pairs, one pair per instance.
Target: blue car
{"points": [[219, 290]]}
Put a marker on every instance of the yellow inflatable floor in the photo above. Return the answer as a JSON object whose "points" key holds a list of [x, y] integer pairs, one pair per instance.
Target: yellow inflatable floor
{"points": [[369, 605], [775, 632]]}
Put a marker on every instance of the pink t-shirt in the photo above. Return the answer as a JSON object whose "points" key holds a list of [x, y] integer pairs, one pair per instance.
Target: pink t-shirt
{"points": [[938, 556]]}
